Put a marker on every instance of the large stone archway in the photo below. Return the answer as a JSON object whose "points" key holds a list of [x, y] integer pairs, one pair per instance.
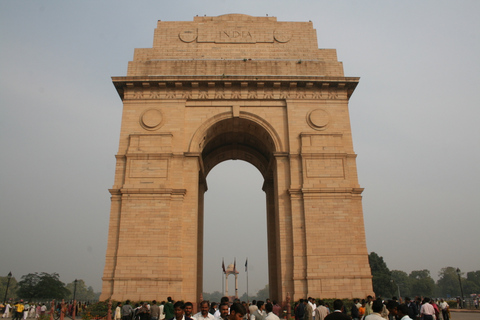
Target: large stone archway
{"points": [[235, 87]]}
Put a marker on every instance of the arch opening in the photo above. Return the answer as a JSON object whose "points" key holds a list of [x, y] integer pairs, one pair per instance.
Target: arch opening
{"points": [[246, 140], [235, 227]]}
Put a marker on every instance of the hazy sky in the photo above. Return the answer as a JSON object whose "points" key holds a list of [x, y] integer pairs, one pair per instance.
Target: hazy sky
{"points": [[415, 120]]}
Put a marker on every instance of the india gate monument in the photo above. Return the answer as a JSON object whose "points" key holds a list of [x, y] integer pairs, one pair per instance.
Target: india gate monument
{"points": [[245, 88]]}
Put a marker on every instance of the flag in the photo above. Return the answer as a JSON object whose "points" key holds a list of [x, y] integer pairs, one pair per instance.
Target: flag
{"points": [[223, 266], [246, 264], [234, 264]]}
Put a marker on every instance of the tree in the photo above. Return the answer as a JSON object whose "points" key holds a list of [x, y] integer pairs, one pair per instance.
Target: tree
{"points": [[422, 283], [472, 283], [12, 288], [81, 291], [381, 276], [401, 279], [42, 286], [28, 286], [447, 284], [263, 294]]}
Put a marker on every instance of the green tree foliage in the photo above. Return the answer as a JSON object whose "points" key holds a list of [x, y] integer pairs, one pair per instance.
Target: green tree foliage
{"points": [[472, 282], [447, 284], [263, 294], [12, 288], [401, 279], [82, 292], [42, 286], [422, 283], [215, 296], [381, 281]]}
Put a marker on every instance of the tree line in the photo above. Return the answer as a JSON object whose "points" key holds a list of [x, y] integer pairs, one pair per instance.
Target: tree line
{"points": [[45, 286], [389, 283]]}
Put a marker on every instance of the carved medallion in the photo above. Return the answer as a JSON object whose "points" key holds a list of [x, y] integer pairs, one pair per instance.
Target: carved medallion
{"points": [[188, 35], [282, 36], [318, 119], [151, 119]]}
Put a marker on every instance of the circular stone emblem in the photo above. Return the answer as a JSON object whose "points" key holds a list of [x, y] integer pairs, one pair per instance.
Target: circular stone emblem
{"points": [[188, 35], [151, 119], [282, 36], [318, 119]]}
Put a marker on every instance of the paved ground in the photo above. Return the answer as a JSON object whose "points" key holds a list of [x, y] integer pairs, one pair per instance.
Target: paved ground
{"points": [[465, 315]]}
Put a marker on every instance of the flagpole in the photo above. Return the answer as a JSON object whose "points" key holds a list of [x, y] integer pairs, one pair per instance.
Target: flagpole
{"points": [[246, 269], [223, 277]]}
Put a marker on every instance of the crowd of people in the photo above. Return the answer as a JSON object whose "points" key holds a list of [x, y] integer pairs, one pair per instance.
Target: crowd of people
{"points": [[21, 310], [304, 309]]}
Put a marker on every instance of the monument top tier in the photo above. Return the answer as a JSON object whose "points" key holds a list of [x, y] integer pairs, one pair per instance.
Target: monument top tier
{"points": [[235, 44]]}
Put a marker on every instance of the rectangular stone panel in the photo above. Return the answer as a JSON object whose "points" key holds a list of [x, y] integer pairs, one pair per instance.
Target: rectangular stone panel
{"points": [[150, 143], [148, 168], [324, 168], [322, 142]]}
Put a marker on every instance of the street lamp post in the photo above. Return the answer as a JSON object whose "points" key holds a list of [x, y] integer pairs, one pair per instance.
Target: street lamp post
{"points": [[461, 288], [9, 276], [74, 312], [398, 288], [74, 288]]}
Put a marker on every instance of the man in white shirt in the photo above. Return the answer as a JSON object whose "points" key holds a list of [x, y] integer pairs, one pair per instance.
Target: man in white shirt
{"points": [[259, 314], [204, 314], [377, 307], [270, 314], [444, 307]]}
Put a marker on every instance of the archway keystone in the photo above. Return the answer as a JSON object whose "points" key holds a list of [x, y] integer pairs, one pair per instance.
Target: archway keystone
{"points": [[235, 87]]}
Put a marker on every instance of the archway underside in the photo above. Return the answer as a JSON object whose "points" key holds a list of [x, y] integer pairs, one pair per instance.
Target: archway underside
{"points": [[242, 139]]}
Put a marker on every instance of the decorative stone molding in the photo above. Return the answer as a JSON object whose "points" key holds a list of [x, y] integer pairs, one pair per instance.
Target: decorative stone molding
{"points": [[229, 90]]}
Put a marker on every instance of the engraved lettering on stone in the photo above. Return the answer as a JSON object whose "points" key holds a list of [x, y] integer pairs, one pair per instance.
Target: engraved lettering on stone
{"points": [[235, 35]]}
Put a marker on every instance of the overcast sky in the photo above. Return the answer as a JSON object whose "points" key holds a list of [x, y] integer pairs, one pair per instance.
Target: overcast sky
{"points": [[415, 120]]}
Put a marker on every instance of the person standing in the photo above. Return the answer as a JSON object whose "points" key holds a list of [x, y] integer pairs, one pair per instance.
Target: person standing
{"points": [[8, 307], [154, 311], [168, 308], [402, 312], [188, 309], [270, 314], [444, 307], [426, 310], [118, 311], [259, 314], [127, 311], [321, 312], [204, 314], [337, 313]]}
